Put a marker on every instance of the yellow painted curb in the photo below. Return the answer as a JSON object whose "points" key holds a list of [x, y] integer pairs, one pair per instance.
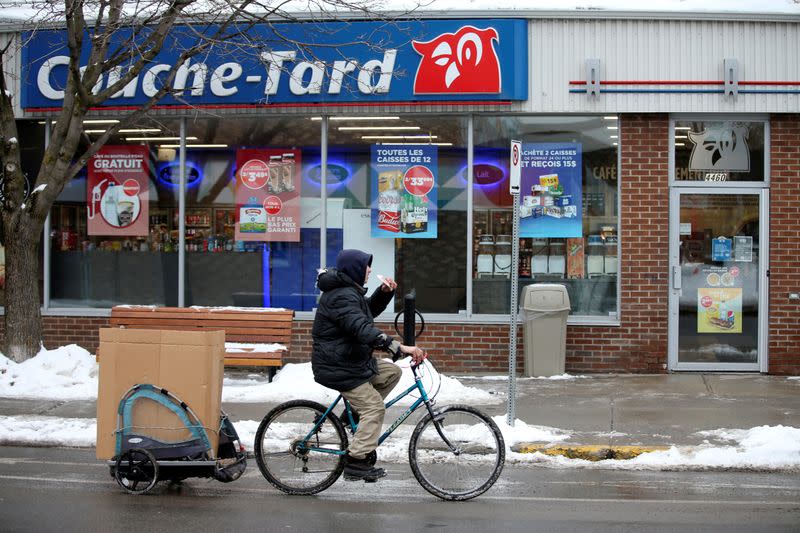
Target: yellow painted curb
{"points": [[592, 452]]}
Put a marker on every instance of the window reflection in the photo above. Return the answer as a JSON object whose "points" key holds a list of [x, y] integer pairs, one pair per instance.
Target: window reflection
{"points": [[587, 265], [112, 239]]}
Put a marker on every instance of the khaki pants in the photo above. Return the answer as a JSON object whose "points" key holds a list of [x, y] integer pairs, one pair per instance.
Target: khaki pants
{"points": [[367, 399]]}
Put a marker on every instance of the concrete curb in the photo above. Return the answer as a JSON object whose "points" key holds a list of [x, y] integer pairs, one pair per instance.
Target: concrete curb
{"points": [[588, 452]]}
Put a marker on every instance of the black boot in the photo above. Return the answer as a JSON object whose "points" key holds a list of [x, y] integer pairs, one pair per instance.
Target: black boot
{"points": [[361, 470]]}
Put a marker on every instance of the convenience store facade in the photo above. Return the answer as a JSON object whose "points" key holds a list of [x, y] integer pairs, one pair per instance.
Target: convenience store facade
{"points": [[663, 163]]}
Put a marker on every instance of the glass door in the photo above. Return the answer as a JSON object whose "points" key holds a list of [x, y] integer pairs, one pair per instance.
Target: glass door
{"points": [[718, 275]]}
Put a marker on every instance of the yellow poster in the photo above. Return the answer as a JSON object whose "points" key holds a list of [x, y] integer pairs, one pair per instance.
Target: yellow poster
{"points": [[719, 310]]}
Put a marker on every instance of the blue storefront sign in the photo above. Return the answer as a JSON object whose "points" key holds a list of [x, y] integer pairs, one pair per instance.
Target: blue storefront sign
{"points": [[551, 190], [435, 60]]}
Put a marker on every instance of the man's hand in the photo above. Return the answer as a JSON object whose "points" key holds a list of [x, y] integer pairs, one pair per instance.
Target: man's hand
{"points": [[417, 354], [387, 284]]}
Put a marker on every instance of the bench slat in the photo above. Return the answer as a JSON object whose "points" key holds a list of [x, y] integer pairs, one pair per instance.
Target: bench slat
{"points": [[198, 323], [239, 361]]}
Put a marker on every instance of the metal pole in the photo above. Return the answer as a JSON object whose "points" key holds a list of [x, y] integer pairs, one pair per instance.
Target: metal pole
{"points": [[409, 318], [470, 214], [514, 185], [323, 194], [512, 332], [182, 218]]}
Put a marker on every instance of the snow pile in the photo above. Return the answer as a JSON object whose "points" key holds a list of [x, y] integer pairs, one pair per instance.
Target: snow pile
{"points": [[66, 373], [522, 432], [70, 373], [758, 448], [296, 381]]}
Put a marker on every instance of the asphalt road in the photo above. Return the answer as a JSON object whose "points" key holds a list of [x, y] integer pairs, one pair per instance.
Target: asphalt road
{"points": [[52, 489]]}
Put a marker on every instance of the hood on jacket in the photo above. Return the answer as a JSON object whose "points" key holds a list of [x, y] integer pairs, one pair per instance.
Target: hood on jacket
{"points": [[353, 264]]}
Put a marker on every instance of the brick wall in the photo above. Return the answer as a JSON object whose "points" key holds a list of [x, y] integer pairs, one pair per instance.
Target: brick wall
{"points": [[784, 315]]}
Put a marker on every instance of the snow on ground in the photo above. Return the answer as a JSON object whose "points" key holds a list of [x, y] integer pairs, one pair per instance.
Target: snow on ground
{"points": [[48, 431], [759, 448], [66, 373], [295, 381], [70, 373]]}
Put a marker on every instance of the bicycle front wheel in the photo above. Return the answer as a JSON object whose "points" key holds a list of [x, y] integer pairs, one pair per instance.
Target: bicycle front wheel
{"points": [[293, 456], [473, 464]]}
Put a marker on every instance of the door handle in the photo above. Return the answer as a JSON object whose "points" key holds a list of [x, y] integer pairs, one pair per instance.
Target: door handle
{"points": [[676, 277]]}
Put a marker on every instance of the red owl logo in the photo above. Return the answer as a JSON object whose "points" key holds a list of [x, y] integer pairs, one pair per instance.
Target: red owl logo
{"points": [[461, 62]]}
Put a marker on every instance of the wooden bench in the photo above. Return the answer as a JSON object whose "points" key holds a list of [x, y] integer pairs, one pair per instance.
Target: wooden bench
{"points": [[253, 337]]}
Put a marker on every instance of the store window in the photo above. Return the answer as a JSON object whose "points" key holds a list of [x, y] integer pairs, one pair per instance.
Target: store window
{"points": [[568, 210], [252, 212], [113, 240], [397, 188], [719, 150]]}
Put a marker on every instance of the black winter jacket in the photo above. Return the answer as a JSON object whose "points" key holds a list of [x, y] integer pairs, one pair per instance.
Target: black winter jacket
{"points": [[344, 333]]}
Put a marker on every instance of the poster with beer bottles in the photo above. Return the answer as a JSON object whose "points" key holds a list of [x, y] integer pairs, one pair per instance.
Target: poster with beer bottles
{"points": [[118, 183], [268, 195], [404, 191], [551, 190]]}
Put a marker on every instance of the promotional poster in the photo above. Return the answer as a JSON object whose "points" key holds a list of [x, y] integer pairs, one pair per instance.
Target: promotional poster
{"points": [[268, 195], [117, 191], [719, 304], [550, 190], [404, 188]]}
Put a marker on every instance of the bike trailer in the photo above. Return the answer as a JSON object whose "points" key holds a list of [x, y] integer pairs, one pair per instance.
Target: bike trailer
{"points": [[148, 450]]}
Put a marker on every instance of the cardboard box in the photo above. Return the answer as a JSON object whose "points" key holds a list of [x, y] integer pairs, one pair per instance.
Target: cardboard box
{"points": [[189, 364]]}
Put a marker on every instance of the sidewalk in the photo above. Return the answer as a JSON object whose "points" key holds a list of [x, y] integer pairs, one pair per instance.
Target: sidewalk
{"points": [[599, 410]]}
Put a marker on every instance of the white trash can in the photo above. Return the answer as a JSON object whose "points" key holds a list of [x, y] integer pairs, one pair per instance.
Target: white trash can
{"points": [[544, 311]]}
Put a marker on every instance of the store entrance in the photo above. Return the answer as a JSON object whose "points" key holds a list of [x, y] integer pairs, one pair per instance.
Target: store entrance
{"points": [[718, 275]]}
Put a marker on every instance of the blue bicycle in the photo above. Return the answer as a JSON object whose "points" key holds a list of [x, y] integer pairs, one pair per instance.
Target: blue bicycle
{"points": [[456, 452]]}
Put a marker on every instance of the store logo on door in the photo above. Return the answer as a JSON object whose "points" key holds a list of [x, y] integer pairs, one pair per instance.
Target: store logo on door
{"points": [[721, 148], [459, 63]]}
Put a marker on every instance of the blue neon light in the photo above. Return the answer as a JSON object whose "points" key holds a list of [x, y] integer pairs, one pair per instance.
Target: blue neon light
{"points": [[168, 173], [339, 174], [265, 281], [492, 166]]}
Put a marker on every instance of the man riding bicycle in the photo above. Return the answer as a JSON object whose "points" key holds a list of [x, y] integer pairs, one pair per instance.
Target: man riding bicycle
{"points": [[344, 337]]}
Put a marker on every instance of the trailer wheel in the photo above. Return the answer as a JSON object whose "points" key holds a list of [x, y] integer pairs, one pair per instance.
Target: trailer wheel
{"points": [[136, 471]]}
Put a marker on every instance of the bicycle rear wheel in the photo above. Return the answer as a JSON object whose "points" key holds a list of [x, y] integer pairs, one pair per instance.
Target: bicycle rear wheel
{"points": [[292, 464], [475, 465]]}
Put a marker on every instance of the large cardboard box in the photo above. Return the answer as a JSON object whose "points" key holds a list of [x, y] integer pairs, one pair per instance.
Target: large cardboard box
{"points": [[189, 364]]}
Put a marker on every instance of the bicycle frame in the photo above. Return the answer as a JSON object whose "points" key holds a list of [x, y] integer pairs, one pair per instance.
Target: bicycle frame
{"points": [[423, 399]]}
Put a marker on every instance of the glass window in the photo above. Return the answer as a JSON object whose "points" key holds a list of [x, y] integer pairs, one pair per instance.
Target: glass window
{"points": [[714, 151], [568, 210], [252, 211], [112, 240], [397, 189]]}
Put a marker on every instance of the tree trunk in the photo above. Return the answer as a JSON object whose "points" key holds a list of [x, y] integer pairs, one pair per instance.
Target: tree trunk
{"points": [[23, 333]]}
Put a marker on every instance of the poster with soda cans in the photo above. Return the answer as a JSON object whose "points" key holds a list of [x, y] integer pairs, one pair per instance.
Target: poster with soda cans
{"points": [[550, 190], [118, 183], [268, 195], [404, 191]]}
